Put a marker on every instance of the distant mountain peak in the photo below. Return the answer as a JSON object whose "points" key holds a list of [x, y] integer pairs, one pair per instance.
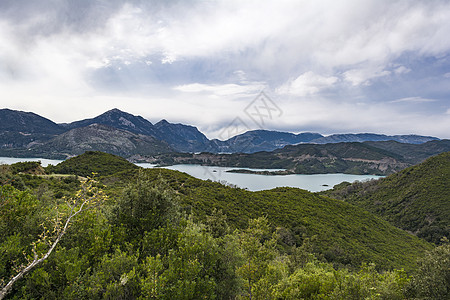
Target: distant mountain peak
{"points": [[117, 113], [26, 129], [105, 138], [120, 120], [115, 110]]}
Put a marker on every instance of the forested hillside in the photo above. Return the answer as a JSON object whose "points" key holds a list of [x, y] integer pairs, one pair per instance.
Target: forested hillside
{"points": [[415, 199], [162, 234]]}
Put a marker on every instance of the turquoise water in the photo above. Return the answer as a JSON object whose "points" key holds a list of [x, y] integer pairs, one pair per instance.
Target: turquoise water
{"points": [[253, 182]]}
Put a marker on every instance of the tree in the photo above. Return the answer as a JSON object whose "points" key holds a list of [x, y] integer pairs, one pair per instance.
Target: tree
{"points": [[86, 198], [258, 248], [432, 279], [145, 206]]}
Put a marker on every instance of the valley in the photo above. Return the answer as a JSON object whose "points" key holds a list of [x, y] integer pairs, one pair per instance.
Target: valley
{"points": [[138, 219], [164, 143], [165, 216]]}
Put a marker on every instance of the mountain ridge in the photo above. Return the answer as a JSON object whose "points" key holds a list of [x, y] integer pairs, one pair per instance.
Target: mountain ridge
{"points": [[372, 137], [349, 158], [98, 137], [22, 130]]}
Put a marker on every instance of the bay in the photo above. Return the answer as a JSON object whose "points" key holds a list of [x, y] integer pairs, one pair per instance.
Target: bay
{"points": [[256, 182]]}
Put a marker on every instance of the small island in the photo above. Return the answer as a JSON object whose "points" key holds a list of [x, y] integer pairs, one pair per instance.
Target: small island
{"points": [[265, 172]]}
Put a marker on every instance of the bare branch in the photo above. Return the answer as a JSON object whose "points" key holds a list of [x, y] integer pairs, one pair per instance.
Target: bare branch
{"points": [[86, 198]]}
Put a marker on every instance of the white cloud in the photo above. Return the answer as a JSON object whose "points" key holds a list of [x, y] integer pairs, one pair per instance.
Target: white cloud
{"points": [[413, 100], [48, 67], [306, 84], [402, 70], [364, 75], [327, 117], [221, 89]]}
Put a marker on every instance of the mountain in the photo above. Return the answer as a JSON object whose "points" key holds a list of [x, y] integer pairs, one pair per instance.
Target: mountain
{"points": [[23, 129], [118, 119], [182, 138], [415, 199], [101, 138], [364, 137], [350, 158], [413, 153], [354, 158], [262, 140], [186, 138]]}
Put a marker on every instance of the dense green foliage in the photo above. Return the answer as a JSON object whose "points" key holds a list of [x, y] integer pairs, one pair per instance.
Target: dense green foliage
{"points": [[166, 235], [33, 167], [344, 234], [175, 257], [415, 199], [432, 278], [92, 162], [44, 187]]}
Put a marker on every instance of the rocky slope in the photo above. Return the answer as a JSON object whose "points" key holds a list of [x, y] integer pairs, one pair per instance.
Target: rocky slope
{"points": [[24, 129], [101, 138], [20, 131]]}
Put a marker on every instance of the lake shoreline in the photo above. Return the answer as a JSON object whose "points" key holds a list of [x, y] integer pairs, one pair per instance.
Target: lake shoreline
{"points": [[246, 178]]}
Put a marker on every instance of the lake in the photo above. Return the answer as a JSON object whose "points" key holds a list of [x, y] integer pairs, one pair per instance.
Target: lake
{"points": [[44, 162], [252, 182]]}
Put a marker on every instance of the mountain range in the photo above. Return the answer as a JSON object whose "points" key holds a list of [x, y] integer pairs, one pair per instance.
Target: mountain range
{"points": [[379, 158], [121, 133]]}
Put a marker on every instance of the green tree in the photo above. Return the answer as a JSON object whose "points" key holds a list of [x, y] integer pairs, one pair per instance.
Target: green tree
{"points": [[145, 205], [257, 246], [432, 279], [188, 271], [87, 197]]}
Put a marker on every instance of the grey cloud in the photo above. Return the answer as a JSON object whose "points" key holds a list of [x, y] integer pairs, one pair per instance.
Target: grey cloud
{"points": [[48, 17], [353, 52]]}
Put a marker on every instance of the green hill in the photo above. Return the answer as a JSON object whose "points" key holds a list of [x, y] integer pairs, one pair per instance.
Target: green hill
{"points": [[415, 199], [92, 162], [142, 241], [344, 234]]}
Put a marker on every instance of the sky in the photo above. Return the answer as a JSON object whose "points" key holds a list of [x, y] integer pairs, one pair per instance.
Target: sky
{"points": [[326, 66]]}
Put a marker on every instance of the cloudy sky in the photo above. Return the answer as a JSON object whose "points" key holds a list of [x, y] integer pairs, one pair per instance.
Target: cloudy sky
{"points": [[331, 66]]}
